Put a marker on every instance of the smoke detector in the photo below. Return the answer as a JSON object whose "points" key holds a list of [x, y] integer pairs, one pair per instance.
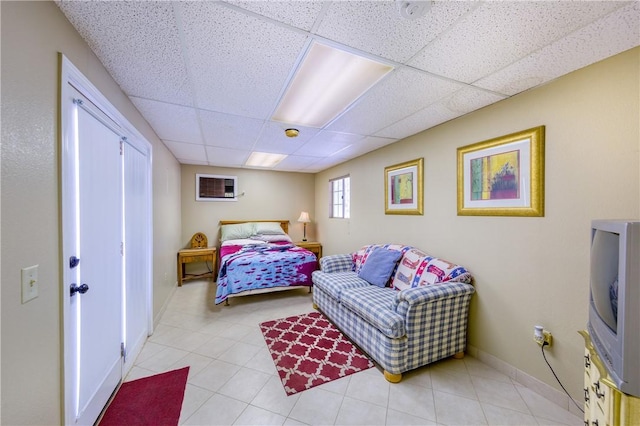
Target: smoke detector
{"points": [[413, 9]]}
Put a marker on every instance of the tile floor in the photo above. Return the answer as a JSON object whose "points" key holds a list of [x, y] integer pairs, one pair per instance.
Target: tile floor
{"points": [[233, 381]]}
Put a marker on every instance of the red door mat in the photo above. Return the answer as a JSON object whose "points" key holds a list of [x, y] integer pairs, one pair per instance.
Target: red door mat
{"points": [[308, 350], [154, 400]]}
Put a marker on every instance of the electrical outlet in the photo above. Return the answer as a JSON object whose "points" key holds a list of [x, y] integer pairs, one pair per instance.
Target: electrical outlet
{"points": [[541, 336]]}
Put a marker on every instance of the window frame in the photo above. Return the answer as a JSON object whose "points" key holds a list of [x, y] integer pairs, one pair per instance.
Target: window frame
{"points": [[345, 206]]}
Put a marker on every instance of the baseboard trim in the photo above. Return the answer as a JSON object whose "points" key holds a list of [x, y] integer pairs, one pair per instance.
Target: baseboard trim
{"points": [[559, 398], [156, 319]]}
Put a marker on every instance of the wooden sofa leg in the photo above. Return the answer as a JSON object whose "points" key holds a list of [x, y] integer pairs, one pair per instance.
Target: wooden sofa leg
{"points": [[314, 306], [393, 378], [459, 355]]}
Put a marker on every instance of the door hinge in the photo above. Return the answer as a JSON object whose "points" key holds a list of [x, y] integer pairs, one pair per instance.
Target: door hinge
{"points": [[121, 248], [123, 352], [121, 146]]}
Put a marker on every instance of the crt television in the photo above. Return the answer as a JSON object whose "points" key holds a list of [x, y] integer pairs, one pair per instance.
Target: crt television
{"points": [[614, 302]]}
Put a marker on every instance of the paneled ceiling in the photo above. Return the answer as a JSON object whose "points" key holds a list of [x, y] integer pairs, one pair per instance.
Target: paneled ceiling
{"points": [[208, 75]]}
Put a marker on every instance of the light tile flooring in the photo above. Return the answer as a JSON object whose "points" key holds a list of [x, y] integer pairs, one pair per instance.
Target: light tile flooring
{"points": [[233, 381]]}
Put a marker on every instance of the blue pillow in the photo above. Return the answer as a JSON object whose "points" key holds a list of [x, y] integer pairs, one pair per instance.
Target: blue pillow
{"points": [[379, 265]]}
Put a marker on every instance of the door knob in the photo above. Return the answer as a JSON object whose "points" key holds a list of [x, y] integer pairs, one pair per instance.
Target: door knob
{"points": [[73, 262], [79, 289]]}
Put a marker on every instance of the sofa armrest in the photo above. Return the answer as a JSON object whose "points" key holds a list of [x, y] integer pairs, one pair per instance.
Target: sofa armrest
{"points": [[430, 293], [336, 263], [436, 318]]}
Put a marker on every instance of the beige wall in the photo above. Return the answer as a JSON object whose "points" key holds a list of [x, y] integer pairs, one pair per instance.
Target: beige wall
{"points": [[528, 270], [267, 195], [32, 35]]}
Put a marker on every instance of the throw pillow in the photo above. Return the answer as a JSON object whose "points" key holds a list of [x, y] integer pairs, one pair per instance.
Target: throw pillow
{"points": [[379, 266]]}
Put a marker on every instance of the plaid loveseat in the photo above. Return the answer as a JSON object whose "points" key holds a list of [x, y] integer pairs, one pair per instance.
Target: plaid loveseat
{"points": [[417, 317]]}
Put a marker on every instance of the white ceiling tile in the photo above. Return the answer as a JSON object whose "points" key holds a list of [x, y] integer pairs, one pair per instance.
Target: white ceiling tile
{"points": [[226, 157], [326, 143], [299, 14], [463, 101], [376, 27], [146, 60], [499, 33], [239, 63], [295, 163], [323, 163], [610, 35], [229, 131], [397, 96], [172, 122], [363, 146], [187, 151], [415, 123]]}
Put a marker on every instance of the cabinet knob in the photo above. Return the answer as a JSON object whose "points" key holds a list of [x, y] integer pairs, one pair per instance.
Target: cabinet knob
{"points": [[596, 388]]}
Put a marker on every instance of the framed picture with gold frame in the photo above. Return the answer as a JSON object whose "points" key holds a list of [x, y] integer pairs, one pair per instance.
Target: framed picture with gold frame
{"points": [[403, 188], [503, 176]]}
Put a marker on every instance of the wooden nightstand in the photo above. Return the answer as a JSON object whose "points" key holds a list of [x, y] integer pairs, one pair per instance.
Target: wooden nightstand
{"points": [[207, 254], [313, 246]]}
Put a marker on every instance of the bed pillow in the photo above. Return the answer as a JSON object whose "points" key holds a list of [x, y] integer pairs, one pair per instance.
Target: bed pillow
{"points": [[242, 242], [268, 228], [379, 266], [237, 231], [272, 238]]}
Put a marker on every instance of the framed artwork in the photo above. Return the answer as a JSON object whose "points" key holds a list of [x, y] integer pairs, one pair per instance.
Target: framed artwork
{"points": [[403, 188], [503, 176]]}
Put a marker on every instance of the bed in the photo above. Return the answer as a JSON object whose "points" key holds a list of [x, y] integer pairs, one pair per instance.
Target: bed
{"points": [[258, 257]]}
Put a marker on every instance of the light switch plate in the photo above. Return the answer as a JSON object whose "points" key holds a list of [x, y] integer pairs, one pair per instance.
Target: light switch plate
{"points": [[29, 283]]}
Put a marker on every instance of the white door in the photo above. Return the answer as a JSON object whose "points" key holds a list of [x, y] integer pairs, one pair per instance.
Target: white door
{"points": [[98, 312], [106, 245], [136, 242]]}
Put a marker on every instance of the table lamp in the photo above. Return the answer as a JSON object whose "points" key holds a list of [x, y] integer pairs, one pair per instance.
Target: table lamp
{"points": [[304, 218]]}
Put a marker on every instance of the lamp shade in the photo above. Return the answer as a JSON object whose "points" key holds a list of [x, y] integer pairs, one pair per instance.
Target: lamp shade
{"points": [[304, 217]]}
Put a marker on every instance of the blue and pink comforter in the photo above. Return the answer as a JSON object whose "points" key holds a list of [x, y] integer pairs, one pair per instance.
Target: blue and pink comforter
{"points": [[263, 266]]}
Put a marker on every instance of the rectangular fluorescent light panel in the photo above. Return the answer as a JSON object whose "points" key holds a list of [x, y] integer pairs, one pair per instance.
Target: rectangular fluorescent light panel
{"points": [[327, 82], [264, 159]]}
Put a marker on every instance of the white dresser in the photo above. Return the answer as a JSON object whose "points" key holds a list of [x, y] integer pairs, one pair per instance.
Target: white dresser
{"points": [[604, 404]]}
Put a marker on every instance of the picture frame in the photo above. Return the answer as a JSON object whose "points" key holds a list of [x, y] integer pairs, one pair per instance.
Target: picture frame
{"points": [[403, 188], [503, 176]]}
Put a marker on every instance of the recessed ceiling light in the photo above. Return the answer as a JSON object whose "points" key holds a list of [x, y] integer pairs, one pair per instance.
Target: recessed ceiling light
{"points": [[264, 159], [327, 82]]}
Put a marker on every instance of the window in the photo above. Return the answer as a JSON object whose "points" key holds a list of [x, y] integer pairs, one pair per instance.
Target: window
{"points": [[340, 189], [216, 188]]}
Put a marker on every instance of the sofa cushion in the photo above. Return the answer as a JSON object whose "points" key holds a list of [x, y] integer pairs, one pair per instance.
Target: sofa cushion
{"points": [[417, 269], [379, 266], [376, 306], [335, 283], [360, 257]]}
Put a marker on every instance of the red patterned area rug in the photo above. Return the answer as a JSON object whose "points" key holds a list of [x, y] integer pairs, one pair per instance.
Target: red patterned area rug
{"points": [[150, 401], [308, 351]]}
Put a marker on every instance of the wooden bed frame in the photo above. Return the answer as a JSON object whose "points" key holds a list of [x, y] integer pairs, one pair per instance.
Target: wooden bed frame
{"points": [[284, 224]]}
